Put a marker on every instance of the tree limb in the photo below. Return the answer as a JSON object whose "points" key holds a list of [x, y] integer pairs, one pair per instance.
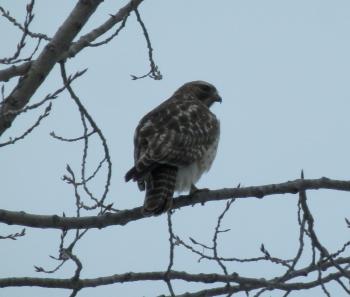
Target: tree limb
{"points": [[42, 66], [77, 46], [14, 70], [244, 283], [85, 40], [125, 216]]}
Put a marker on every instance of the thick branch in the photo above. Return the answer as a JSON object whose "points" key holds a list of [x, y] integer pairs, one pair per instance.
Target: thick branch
{"points": [[243, 282], [76, 47], [14, 70], [41, 67], [125, 216], [116, 278], [102, 29]]}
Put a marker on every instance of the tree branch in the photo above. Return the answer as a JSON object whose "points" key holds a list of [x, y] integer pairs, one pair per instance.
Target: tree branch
{"points": [[85, 40], [14, 70], [42, 66], [125, 216], [245, 283], [121, 278]]}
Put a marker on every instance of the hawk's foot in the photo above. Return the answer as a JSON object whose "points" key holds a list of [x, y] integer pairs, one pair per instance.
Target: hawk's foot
{"points": [[155, 207]]}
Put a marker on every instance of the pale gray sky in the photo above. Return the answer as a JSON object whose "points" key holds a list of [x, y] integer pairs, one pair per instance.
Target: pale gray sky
{"points": [[283, 71]]}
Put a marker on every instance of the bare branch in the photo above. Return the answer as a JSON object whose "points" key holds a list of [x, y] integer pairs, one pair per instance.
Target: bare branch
{"points": [[297, 257], [28, 58], [125, 216], [316, 242], [6, 14], [154, 71], [14, 236], [15, 70], [48, 97], [71, 139], [77, 262], [41, 67], [215, 238], [232, 259], [171, 254], [21, 44], [108, 39], [86, 39], [310, 220], [244, 283], [41, 269], [85, 115], [30, 129]]}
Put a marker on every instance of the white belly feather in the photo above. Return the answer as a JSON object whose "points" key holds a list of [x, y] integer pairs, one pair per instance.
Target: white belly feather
{"points": [[186, 176]]}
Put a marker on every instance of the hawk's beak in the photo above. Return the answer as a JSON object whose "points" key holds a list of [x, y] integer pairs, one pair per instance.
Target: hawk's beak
{"points": [[212, 99], [218, 98]]}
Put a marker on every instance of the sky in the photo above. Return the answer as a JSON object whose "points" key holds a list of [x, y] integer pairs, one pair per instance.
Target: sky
{"points": [[283, 71]]}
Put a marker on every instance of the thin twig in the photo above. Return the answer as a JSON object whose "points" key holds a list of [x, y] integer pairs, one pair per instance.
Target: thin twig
{"points": [[21, 44], [71, 139], [14, 236], [84, 114], [6, 14], [30, 129], [215, 239], [171, 254], [108, 39], [154, 70]]}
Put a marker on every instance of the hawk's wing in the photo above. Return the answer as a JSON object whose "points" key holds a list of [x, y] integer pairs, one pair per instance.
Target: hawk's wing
{"points": [[176, 133]]}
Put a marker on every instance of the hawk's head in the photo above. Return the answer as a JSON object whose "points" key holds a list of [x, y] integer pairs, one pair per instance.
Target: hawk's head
{"points": [[201, 90]]}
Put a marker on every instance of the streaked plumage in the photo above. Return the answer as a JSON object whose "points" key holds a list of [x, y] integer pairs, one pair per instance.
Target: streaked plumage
{"points": [[175, 144]]}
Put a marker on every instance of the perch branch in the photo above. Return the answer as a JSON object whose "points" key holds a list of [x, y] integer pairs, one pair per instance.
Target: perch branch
{"points": [[125, 216]]}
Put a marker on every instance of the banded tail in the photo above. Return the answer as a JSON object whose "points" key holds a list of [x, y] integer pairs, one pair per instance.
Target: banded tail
{"points": [[160, 186]]}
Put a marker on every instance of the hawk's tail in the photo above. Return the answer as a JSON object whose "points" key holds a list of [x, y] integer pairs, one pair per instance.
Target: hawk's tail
{"points": [[160, 186]]}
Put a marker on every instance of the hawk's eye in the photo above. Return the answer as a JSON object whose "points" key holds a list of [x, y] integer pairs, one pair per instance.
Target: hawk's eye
{"points": [[205, 88]]}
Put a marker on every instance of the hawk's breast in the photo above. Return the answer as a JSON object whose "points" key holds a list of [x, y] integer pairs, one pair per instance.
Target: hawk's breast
{"points": [[188, 175]]}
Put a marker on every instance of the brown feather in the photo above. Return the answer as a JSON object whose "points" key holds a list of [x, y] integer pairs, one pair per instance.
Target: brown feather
{"points": [[160, 186]]}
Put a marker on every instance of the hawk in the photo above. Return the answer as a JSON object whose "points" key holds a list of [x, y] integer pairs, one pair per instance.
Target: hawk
{"points": [[174, 144]]}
